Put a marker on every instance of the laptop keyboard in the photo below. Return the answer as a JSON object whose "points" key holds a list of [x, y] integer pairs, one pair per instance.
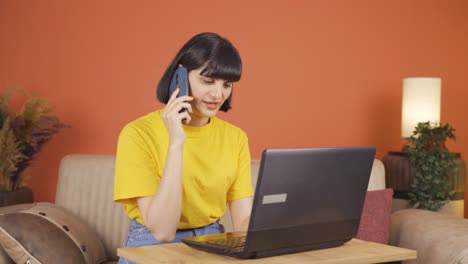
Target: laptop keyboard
{"points": [[234, 242]]}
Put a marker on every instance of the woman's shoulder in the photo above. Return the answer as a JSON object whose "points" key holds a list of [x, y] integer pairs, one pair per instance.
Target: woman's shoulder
{"points": [[228, 127], [145, 124]]}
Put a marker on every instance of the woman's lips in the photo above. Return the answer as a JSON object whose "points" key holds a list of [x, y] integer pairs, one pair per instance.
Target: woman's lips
{"points": [[211, 105]]}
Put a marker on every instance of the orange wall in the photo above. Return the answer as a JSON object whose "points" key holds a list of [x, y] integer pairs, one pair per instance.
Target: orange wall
{"points": [[316, 73]]}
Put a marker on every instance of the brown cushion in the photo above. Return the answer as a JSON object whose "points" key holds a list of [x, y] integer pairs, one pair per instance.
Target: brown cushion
{"points": [[46, 233]]}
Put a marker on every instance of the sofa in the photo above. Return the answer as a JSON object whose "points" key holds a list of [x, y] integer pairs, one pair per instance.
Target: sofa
{"points": [[84, 208], [437, 238]]}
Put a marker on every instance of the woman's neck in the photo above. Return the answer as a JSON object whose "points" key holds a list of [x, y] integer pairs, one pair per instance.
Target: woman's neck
{"points": [[199, 122]]}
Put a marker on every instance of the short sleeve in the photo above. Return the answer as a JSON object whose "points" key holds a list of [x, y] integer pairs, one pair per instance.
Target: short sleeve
{"points": [[136, 173], [242, 184]]}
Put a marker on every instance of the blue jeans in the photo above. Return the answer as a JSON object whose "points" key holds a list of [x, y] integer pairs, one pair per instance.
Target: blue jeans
{"points": [[139, 235]]}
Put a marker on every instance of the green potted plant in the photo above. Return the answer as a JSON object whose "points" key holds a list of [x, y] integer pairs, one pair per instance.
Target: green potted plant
{"points": [[22, 136], [433, 165]]}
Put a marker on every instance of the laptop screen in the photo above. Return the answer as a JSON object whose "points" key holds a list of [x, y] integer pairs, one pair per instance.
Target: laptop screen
{"points": [[306, 196]]}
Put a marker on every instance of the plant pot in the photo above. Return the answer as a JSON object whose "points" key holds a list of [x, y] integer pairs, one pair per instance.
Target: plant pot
{"points": [[399, 175], [23, 195]]}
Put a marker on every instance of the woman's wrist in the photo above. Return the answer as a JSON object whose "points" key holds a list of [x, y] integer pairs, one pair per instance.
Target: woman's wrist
{"points": [[176, 144]]}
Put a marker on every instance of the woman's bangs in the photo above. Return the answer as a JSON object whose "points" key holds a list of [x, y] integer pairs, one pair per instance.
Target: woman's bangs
{"points": [[225, 64]]}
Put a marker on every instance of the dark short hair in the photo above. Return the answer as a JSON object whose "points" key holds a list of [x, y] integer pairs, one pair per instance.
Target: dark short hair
{"points": [[219, 57]]}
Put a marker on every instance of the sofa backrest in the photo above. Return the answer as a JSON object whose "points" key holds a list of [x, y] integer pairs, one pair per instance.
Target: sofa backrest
{"points": [[86, 185], [86, 188]]}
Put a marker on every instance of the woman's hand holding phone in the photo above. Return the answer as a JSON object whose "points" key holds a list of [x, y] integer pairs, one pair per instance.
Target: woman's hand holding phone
{"points": [[173, 116], [168, 199]]}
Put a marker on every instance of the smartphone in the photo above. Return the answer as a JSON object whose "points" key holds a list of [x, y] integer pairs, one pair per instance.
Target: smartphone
{"points": [[180, 79]]}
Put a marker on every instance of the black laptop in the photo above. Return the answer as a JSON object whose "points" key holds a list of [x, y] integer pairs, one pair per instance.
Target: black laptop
{"points": [[305, 199]]}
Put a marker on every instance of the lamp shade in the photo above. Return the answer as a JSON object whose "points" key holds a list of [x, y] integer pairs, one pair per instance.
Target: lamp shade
{"points": [[421, 102]]}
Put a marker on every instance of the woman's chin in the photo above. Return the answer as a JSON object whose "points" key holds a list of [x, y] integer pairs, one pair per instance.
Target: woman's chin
{"points": [[209, 112], [203, 114]]}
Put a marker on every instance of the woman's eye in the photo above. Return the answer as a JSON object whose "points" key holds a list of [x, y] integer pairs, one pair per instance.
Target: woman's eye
{"points": [[208, 81], [227, 85]]}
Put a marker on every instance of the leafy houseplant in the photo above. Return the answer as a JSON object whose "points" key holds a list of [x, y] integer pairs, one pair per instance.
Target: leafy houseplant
{"points": [[433, 165], [22, 135]]}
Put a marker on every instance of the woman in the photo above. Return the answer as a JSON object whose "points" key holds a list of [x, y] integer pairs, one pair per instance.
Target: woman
{"points": [[176, 170]]}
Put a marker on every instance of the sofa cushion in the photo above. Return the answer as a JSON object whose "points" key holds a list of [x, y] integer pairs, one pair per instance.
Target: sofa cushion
{"points": [[46, 233], [4, 258], [375, 218], [437, 237]]}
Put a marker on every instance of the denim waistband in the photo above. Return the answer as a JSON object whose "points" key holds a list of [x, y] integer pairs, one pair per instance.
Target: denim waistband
{"points": [[135, 225]]}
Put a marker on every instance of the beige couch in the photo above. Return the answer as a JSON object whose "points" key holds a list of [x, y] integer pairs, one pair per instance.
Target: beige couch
{"points": [[438, 238], [85, 187]]}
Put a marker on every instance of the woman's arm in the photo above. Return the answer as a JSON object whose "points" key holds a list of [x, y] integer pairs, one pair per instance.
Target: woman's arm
{"points": [[161, 212], [240, 213]]}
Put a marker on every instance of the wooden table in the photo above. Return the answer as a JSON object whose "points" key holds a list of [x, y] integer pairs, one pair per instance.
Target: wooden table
{"points": [[354, 252]]}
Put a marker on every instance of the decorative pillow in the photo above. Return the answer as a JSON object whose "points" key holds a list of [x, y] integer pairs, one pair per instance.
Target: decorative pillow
{"points": [[375, 218], [46, 233]]}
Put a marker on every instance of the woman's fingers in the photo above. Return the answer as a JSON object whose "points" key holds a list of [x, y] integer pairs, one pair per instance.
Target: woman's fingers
{"points": [[185, 117], [174, 97], [176, 104], [173, 115], [186, 105], [174, 94], [173, 110], [178, 109]]}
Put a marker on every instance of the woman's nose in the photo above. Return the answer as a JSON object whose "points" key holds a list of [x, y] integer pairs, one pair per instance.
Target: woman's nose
{"points": [[217, 91]]}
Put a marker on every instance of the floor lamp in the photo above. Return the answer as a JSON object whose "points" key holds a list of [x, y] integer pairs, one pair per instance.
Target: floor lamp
{"points": [[420, 103]]}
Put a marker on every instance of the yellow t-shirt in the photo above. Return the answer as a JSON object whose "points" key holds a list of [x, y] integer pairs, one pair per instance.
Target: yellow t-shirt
{"points": [[216, 167]]}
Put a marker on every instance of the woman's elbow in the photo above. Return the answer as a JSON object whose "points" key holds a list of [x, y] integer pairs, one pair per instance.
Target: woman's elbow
{"points": [[163, 235]]}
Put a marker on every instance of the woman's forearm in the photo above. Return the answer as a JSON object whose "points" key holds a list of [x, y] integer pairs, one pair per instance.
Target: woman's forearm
{"points": [[161, 212]]}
